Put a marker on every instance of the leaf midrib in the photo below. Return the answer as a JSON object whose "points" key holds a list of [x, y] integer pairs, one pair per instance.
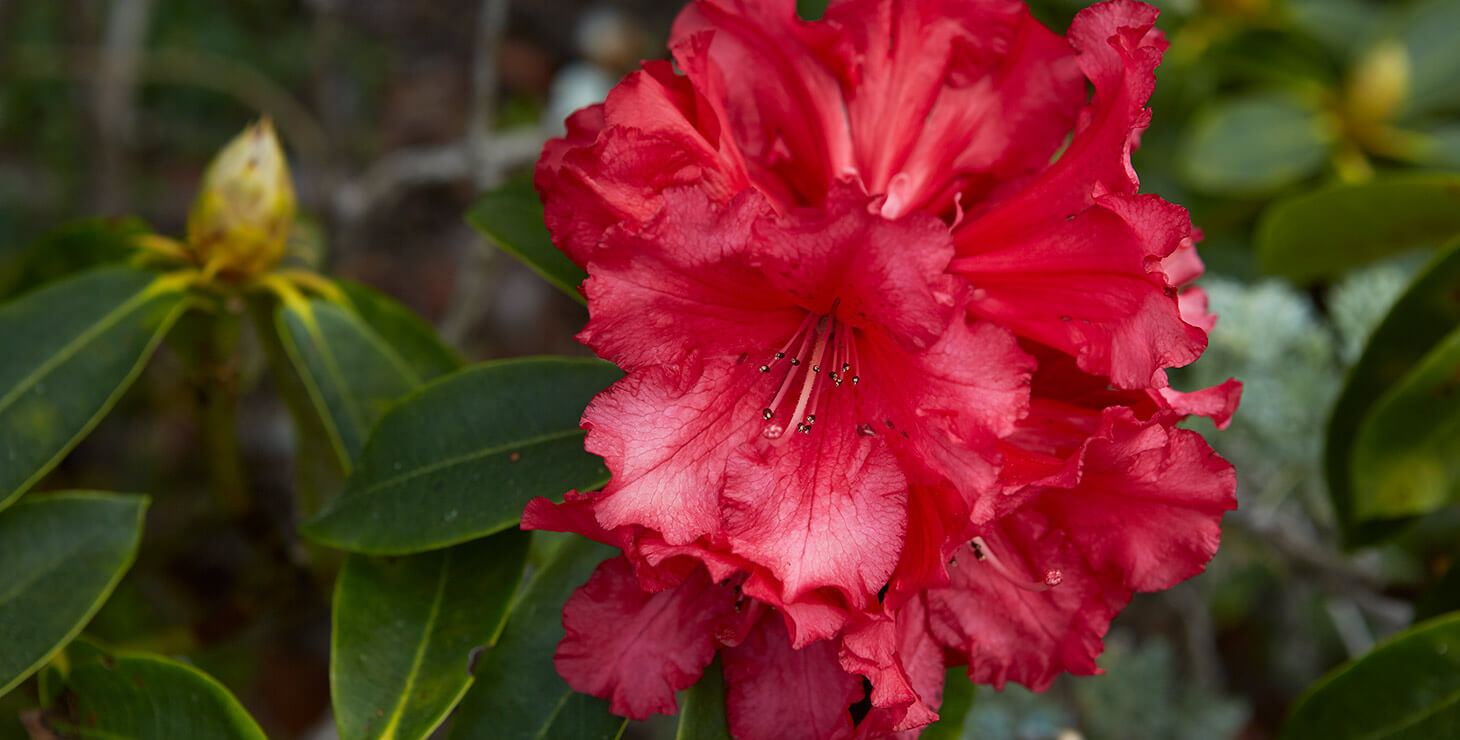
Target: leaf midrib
{"points": [[461, 460], [420, 657], [73, 347]]}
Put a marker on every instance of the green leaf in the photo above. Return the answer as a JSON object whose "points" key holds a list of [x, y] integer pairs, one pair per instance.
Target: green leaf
{"points": [[1427, 312], [811, 10], [1408, 687], [1406, 455], [459, 458], [60, 557], [1428, 34], [139, 696], [68, 250], [70, 350], [511, 216], [404, 629], [356, 361], [702, 716], [518, 694], [412, 338], [1255, 144], [1341, 25], [958, 694], [1327, 232]]}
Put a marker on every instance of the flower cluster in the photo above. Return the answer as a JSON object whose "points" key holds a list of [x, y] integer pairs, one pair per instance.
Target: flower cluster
{"points": [[895, 323]]}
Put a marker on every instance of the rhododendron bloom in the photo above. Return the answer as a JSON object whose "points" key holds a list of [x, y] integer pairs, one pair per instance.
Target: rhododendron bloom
{"points": [[895, 392]]}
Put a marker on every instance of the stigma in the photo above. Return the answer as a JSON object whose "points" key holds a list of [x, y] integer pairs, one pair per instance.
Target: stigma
{"points": [[819, 357], [984, 554]]}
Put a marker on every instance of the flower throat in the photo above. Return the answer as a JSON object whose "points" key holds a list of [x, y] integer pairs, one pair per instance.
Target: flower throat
{"points": [[820, 356]]}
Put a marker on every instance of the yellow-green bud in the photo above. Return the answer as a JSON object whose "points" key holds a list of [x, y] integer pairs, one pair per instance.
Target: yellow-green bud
{"points": [[1380, 83], [240, 222]]}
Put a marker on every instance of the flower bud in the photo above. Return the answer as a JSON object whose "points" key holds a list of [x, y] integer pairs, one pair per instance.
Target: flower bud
{"points": [[240, 221], [1380, 83]]}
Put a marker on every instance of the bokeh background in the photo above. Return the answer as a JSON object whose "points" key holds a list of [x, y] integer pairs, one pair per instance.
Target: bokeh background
{"points": [[398, 114]]}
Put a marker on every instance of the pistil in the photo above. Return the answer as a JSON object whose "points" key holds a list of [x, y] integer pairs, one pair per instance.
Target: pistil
{"points": [[985, 554]]}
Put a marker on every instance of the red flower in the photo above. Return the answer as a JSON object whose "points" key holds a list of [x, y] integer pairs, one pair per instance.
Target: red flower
{"points": [[830, 256]]}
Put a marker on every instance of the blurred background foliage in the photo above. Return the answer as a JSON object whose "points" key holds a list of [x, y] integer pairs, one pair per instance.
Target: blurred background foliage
{"points": [[398, 114]]}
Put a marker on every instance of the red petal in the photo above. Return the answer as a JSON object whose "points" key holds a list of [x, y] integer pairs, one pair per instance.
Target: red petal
{"points": [[1086, 286], [665, 434], [685, 282], [815, 615], [887, 274], [905, 666], [619, 157], [775, 692], [824, 509], [1218, 402], [575, 514], [943, 97], [636, 648], [779, 98], [950, 403], [1146, 513], [1010, 634]]}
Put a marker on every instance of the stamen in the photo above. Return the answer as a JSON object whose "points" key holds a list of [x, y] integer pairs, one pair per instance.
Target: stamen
{"points": [[809, 384], [984, 554], [821, 341]]}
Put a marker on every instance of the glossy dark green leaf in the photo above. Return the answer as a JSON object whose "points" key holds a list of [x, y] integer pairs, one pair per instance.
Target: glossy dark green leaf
{"points": [[1424, 315], [1255, 144], [702, 710], [412, 338], [1341, 25], [958, 694], [405, 627], [459, 458], [1407, 687], [60, 557], [139, 696], [1406, 454], [68, 250], [1325, 233], [511, 216], [355, 361], [518, 694], [811, 9], [70, 350], [1428, 34]]}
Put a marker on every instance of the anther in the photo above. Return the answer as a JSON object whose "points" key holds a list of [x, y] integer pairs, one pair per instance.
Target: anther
{"points": [[767, 413], [780, 355], [765, 368]]}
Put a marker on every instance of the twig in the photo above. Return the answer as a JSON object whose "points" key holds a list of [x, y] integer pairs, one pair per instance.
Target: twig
{"points": [[1334, 571], [1201, 634], [185, 67], [406, 169], [491, 26], [114, 109], [469, 294]]}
